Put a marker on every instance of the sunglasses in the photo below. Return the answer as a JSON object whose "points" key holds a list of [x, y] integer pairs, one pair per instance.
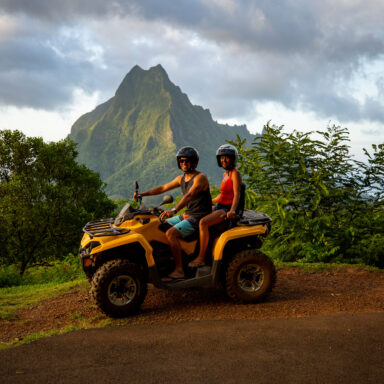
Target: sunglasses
{"points": [[184, 161]]}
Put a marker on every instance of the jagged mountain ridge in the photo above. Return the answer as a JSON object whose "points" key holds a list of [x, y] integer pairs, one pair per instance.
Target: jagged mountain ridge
{"points": [[135, 134]]}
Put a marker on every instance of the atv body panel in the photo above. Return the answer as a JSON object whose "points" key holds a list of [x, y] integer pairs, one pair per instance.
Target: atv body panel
{"points": [[144, 230]]}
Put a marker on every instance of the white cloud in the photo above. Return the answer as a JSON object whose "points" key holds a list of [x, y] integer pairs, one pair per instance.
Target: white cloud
{"points": [[362, 135], [8, 27], [51, 125], [298, 62]]}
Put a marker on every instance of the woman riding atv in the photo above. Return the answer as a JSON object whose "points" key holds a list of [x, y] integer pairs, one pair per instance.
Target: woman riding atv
{"points": [[227, 201]]}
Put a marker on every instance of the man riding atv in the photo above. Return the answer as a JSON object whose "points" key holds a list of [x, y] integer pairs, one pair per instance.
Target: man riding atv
{"points": [[196, 197]]}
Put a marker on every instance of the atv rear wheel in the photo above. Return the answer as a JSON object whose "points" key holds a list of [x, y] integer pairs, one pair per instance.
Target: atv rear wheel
{"points": [[119, 288], [250, 276]]}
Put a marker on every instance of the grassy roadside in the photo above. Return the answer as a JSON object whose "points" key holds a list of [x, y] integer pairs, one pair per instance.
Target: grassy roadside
{"points": [[325, 267], [14, 298], [41, 335]]}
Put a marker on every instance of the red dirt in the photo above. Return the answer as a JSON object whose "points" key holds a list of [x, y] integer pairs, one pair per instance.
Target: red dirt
{"points": [[296, 294]]}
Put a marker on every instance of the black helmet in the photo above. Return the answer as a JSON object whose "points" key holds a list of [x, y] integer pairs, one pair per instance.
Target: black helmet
{"points": [[226, 150], [189, 152]]}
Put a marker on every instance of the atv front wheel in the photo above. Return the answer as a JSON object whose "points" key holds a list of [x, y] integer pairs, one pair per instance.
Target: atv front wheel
{"points": [[250, 276], [119, 288], [89, 275]]}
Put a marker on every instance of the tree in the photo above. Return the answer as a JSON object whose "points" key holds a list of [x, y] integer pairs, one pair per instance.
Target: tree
{"points": [[317, 195], [45, 199]]}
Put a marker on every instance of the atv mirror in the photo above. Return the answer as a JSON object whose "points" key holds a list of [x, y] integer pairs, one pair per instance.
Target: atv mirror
{"points": [[167, 199], [136, 186]]}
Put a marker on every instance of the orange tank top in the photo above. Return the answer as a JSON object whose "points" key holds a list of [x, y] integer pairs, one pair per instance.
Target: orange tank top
{"points": [[226, 190]]}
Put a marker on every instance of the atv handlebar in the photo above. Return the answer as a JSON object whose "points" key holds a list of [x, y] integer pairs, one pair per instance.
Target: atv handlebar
{"points": [[138, 197]]}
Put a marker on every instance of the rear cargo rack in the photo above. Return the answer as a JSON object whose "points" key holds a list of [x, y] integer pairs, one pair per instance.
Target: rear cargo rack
{"points": [[103, 228], [250, 218]]}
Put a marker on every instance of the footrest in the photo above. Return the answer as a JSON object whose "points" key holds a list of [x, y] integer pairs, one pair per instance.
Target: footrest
{"points": [[203, 271]]}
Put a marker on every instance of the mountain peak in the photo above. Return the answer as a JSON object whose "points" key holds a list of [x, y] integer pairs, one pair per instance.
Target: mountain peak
{"points": [[137, 78], [136, 68], [158, 68], [135, 135]]}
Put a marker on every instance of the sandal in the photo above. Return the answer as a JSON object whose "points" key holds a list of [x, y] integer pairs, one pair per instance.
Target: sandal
{"points": [[171, 279], [196, 264]]}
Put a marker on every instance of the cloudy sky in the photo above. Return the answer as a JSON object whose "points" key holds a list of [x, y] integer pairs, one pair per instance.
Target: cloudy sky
{"points": [[301, 63]]}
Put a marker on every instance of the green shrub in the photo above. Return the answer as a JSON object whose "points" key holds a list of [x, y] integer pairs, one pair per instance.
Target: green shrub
{"points": [[10, 276], [68, 269]]}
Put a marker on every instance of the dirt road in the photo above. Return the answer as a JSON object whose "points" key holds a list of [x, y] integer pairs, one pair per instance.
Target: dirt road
{"points": [[342, 348], [314, 328]]}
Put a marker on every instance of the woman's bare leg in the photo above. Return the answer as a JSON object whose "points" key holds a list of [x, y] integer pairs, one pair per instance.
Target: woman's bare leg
{"points": [[206, 222]]}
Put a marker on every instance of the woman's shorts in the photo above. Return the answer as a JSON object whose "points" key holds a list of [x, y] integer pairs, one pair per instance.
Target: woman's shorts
{"points": [[182, 225], [224, 207]]}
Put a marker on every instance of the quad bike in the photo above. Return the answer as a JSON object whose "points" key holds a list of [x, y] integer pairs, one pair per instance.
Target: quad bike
{"points": [[121, 255]]}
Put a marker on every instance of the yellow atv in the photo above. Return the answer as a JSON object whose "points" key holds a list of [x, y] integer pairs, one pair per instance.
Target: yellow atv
{"points": [[121, 255]]}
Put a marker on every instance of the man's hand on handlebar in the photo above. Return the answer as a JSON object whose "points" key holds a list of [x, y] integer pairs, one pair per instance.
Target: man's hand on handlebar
{"points": [[137, 196]]}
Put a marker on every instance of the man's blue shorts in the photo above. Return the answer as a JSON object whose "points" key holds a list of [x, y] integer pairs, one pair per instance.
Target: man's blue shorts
{"points": [[182, 225]]}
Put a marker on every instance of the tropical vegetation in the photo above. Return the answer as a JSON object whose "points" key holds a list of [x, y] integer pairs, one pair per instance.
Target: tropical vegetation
{"points": [[325, 205], [45, 199]]}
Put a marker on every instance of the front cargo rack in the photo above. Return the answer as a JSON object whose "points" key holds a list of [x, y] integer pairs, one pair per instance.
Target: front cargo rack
{"points": [[103, 228]]}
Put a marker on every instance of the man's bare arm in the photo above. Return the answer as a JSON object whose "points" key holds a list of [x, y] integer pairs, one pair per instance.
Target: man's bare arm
{"points": [[161, 188]]}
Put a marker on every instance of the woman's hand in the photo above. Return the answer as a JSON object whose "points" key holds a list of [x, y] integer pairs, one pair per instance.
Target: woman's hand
{"points": [[231, 215]]}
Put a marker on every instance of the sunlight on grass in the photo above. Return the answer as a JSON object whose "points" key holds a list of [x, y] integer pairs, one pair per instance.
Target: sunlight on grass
{"points": [[81, 324], [15, 298], [39, 335], [325, 267]]}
